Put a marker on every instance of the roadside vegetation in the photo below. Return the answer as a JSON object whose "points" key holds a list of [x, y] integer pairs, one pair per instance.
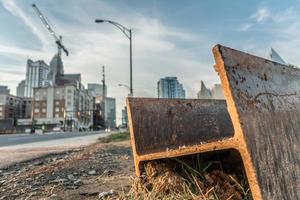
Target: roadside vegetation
{"points": [[115, 137]]}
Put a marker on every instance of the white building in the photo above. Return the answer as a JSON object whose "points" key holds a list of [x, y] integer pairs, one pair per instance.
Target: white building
{"points": [[274, 56], [36, 76]]}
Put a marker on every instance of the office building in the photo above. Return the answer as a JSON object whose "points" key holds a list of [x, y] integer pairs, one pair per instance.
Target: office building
{"points": [[21, 89], [204, 92], [110, 112], [215, 93], [4, 89], [36, 76], [274, 56], [56, 70], [124, 117], [96, 90], [169, 87]]}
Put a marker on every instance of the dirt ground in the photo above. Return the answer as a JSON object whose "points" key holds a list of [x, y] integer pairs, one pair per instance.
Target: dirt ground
{"points": [[105, 170], [82, 173]]}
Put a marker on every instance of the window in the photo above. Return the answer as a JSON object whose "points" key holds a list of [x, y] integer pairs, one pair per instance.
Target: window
{"points": [[56, 109], [36, 110], [43, 110], [57, 115], [57, 103]]}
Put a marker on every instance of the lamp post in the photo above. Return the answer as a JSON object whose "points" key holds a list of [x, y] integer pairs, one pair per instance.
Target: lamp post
{"points": [[126, 86], [128, 33]]}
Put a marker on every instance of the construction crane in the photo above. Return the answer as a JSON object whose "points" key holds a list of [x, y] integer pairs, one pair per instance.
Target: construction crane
{"points": [[58, 40]]}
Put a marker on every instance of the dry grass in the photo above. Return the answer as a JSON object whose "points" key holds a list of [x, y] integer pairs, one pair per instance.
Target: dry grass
{"points": [[192, 178]]}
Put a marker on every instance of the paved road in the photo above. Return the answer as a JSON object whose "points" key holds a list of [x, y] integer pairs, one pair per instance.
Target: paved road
{"points": [[16, 139], [20, 147]]}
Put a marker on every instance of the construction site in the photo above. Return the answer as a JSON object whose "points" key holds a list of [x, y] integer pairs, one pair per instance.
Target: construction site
{"points": [[240, 148], [237, 141]]}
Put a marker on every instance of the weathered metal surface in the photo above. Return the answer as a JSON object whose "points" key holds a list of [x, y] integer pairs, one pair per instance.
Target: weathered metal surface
{"points": [[164, 128], [264, 103], [164, 124]]}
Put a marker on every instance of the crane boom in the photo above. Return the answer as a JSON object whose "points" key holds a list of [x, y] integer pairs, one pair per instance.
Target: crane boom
{"points": [[58, 40]]}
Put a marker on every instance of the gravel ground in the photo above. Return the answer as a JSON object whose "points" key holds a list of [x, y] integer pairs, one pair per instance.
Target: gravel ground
{"points": [[91, 172]]}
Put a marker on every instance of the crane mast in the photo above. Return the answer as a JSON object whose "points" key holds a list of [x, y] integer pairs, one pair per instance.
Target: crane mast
{"points": [[58, 40]]}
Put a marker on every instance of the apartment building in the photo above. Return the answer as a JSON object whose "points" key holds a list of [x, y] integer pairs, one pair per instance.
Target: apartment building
{"points": [[67, 106], [13, 107]]}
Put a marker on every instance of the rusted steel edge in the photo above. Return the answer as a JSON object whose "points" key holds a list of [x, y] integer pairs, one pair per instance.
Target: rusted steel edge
{"points": [[240, 142], [237, 142]]}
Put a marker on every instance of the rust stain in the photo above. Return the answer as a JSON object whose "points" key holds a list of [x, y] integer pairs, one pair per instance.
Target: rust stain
{"points": [[260, 119]]}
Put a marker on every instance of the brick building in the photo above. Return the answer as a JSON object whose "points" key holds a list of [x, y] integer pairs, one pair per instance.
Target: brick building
{"points": [[67, 106]]}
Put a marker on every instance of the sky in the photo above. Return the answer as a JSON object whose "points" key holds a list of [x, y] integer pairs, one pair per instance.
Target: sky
{"points": [[170, 38]]}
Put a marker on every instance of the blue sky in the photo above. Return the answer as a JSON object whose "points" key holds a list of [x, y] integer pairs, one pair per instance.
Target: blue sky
{"points": [[171, 38]]}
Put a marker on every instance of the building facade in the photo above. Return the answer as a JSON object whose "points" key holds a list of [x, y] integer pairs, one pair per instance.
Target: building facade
{"points": [[13, 107], [215, 93], [21, 89], [56, 70], [96, 90], [36, 76], [204, 92], [169, 87], [4, 89], [67, 106], [110, 112], [124, 117], [274, 56]]}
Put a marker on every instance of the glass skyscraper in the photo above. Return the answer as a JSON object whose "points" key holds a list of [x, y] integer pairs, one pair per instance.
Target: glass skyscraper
{"points": [[169, 87]]}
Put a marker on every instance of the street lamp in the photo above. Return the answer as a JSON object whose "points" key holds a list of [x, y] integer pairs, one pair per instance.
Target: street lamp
{"points": [[126, 86], [128, 33]]}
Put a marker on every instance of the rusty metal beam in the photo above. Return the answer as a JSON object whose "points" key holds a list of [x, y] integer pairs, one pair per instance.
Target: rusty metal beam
{"points": [[163, 128], [263, 102], [263, 99]]}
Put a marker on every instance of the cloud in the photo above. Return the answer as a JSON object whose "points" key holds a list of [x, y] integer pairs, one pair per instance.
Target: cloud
{"points": [[21, 51], [15, 10], [281, 32], [159, 50], [246, 27], [261, 15]]}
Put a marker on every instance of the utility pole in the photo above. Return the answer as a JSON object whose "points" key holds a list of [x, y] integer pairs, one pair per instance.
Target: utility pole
{"points": [[103, 94]]}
